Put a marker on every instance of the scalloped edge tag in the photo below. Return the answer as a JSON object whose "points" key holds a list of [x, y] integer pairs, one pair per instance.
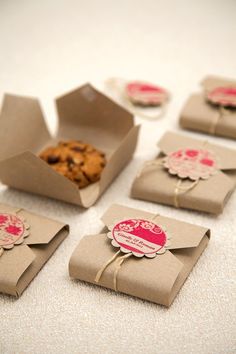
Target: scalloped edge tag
{"points": [[13, 230], [141, 237]]}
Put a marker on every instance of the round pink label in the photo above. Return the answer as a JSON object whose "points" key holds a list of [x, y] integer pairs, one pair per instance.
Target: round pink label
{"points": [[12, 230], [223, 96], [139, 236], [191, 163], [146, 94]]}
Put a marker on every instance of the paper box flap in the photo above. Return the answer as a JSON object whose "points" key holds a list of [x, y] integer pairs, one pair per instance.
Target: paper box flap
{"points": [[183, 235], [22, 172], [88, 108], [21, 120], [171, 142], [42, 235], [42, 229], [13, 264], [210, 82]]}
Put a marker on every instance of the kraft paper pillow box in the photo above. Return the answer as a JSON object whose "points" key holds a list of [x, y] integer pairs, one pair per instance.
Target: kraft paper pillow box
{"points": [[157, 279], [84, 114], [156, 182], [34, 239], [201, 115]]}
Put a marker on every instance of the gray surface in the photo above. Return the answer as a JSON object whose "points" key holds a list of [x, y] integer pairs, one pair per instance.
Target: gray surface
{"points": [[50, 47]]}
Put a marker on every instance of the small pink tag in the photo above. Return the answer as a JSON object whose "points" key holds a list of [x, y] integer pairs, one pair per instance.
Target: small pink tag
{"points": [[146, 94], [13, 230], [191, 163], [139, 237], [223, 96]]}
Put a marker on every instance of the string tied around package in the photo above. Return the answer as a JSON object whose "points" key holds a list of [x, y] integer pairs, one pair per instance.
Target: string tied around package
{"points": [[187, 164], [224, 99], [134, 237]]}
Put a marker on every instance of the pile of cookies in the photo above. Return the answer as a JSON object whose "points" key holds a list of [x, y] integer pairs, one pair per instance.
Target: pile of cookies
{"points": [[80, 162]]}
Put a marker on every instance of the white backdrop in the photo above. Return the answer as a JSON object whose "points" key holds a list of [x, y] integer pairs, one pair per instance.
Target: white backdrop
{"points": [[48, 47]]}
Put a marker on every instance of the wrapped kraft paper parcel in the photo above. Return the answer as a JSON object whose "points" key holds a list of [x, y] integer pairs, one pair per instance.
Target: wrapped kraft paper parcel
{"points": [[213, 111], [140, 254], [188, 173], [27, 241], [84, 115]]}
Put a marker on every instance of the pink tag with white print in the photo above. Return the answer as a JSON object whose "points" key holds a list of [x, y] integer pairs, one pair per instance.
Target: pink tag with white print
{"points": [[223, 96], [146, 94], [191, 163], [13, 230], [139, 237]]}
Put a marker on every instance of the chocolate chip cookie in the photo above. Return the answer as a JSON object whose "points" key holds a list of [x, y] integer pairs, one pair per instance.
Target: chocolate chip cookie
{"points": [[78, 161]]}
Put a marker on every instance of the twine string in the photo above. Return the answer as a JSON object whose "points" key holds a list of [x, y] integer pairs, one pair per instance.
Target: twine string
{"points": [[102, 269], [179, 188], [158, 163], [140, 112], [221, 112], [18, 210], [118, 265]]}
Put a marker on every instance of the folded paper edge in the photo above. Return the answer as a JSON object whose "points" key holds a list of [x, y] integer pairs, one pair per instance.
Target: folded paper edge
{"points": [[174, 292], [204, 231], [61, 236]]}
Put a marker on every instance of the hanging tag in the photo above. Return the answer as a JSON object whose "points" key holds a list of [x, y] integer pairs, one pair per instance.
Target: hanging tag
{"points": [[13, 230], [140, 237], [191, 163]]}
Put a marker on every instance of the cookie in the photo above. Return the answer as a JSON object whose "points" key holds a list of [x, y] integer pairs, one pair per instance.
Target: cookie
{"points": [[78, 161]]}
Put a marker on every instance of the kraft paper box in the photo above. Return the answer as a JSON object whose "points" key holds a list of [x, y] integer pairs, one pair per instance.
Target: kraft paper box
{"points": [[157, 279], [27, 241], [200, 115], [84, 114], [210, 193]]}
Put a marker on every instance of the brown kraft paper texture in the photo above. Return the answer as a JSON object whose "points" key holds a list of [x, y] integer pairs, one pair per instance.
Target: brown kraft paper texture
{"points": [[200, 115], [19, 265], [84, 114], [155, 183], [157, 279]]}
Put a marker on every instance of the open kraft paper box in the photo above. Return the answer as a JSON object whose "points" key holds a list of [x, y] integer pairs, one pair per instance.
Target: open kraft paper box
{"points": [[83, 114]]}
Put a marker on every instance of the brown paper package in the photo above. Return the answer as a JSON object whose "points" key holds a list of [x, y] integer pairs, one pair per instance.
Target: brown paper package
{"points": [[158, 279], [200, 115], [20, 265], [155, 184], [84, 114]]}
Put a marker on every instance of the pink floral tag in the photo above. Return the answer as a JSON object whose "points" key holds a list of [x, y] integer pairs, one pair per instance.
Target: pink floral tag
{"points": [[223, 96], [191, 163], [145, 94], [139, 237], [13, 230]]}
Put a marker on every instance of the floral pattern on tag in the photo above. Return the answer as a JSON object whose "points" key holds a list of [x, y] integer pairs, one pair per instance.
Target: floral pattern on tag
{"points": [[223, 96], [140, 237], [13, 230], [145, 94], [189, 163]]}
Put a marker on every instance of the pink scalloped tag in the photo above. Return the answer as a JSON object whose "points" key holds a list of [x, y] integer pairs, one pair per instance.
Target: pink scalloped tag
{"points": [[191, 163], [139, 237], [13, 230], [142, 93], [223, 96]]}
